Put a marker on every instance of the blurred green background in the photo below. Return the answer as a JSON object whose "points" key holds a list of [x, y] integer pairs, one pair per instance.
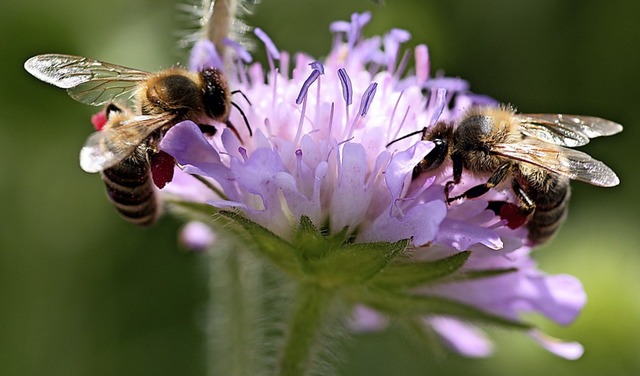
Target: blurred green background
{"points": [[84, 293]]}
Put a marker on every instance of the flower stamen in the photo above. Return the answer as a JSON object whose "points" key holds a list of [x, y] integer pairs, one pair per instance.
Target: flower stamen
{"points": [[318, 70], [438, 107], [393, 114], [272, 51], [392, 42], [347, 91], [243, 153], [423, 65], [365, 103], [240, 51], [330, 128], [301, 121], [367, 98], [402, 66]]}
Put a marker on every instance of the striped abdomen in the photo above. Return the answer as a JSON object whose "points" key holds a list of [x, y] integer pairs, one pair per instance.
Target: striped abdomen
{"points": [[131, 190], [552, 204]]}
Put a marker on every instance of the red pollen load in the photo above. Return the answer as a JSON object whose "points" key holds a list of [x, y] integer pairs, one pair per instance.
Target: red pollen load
{"points": [[162, 165], [514, 216], [99, 120]]}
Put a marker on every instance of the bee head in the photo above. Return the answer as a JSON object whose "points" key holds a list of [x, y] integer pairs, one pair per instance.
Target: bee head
{"points": [[440, 135], [216, 96]]}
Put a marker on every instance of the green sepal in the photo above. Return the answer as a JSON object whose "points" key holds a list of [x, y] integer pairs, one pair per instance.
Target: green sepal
{"points": [[354, 263], [401, 305], [268, 244], [423, 337], [313, 244], [410, 274], [191, 208], [205, 213], [333, 261]]}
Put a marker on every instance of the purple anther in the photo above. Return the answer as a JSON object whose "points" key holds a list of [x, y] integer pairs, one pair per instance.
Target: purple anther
{"points": [[367, 98], [345, 81]]}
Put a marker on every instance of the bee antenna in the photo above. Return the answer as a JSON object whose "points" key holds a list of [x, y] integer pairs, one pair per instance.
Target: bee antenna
{"points": [[244, 96], [246, 121], [423, 131]]}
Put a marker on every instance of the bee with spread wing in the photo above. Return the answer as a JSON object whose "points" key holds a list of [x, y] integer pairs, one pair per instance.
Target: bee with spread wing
{"points": [[160, 100], [530, 153]]}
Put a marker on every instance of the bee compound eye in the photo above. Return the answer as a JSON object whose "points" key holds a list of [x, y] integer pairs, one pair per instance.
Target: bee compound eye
{"points": [[216, 94]]}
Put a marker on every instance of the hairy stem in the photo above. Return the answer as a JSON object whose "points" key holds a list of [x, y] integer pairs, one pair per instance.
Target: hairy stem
{"points": [[219, 25], [234, 311], [305, 330]]}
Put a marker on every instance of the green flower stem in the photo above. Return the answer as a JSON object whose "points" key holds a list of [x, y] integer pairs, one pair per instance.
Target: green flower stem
{"points": [[305, 331], [234, 311]]}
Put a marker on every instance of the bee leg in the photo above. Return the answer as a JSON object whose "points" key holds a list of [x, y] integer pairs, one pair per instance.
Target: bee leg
{"points": [[457, 174], [496, 178], [527, 205]]}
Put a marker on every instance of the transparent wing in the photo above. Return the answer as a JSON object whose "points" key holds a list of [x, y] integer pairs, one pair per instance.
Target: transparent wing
{"points": [[88, 81], [566, 130], [107, 148], [571, 163]]}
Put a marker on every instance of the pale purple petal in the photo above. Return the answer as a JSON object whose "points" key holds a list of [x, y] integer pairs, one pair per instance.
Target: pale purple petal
{"points": [[421, 223], [256, 174], [567, 350], [465, 339], [365, 319], [197, 236], [186, 143], [401, 167], [462, 235], [204, 55], [186, 187], [561, 297], [350, 199]]}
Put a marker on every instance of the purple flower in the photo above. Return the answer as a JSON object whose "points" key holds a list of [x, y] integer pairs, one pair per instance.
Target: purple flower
{"points": [[197, 236], [319, 152]]}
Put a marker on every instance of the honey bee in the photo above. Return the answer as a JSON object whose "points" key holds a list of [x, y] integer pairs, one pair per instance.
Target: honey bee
{"points": [[530, 153], [129, 183], [123, 149]]}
